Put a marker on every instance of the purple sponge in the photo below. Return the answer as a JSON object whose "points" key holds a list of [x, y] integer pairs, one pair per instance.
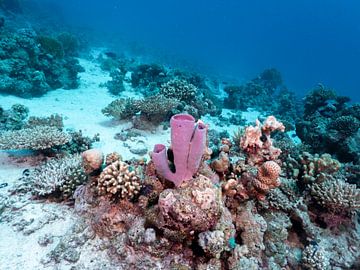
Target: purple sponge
{"points": [[188, 143]]}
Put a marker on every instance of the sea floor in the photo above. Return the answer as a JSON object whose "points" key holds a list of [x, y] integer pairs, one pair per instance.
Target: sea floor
{"points": [[32, 231]]}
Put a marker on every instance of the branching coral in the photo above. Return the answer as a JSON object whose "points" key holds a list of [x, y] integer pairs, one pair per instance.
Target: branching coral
{"points": [[38, 138], [119, 179], [53, 120], [58, 176], [315, 168], [336, 195]]}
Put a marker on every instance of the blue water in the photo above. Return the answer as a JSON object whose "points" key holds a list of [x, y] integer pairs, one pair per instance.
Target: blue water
{"points": [[308, 41]]}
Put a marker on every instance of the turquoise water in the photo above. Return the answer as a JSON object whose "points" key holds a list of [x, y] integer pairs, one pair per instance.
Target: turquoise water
{"points": [[179, 135]]}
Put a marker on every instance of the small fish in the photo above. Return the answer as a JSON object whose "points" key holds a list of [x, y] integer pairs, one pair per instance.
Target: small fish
{"points": [[2, 185], [111, 55]]}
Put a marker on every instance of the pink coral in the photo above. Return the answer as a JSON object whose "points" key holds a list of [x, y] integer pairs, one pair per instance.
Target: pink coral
{"points": [[256, 141], [267, 178], [188, 144]]}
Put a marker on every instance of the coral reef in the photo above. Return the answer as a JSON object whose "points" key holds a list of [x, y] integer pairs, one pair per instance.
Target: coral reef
{"points": [[37, 138], [256, 141], [32, 64], [119, 179], [57, 177], [330, 125], [255, 93], [14, 118], [193, 208]]}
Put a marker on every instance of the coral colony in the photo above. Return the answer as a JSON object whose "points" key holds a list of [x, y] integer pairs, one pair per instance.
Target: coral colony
{"points": [[278, 192]]}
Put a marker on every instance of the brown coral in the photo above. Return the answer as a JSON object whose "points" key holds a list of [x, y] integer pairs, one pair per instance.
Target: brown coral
{"points": [[118, 179], [111, 158], [222, 164], [336, 195], [315, 168]]}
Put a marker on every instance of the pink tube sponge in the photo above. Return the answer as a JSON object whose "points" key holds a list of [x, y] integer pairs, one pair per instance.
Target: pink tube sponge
{"points": [[188, 144]]}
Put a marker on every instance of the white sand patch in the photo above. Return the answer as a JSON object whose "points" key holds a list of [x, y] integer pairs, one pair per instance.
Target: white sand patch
{"points": [[81, 109]]}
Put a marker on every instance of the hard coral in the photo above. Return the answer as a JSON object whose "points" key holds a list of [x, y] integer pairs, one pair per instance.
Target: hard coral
{"points": [[267, 178], [314, 257], [57, 177], [336, 195], [256, 141], [178, 89], [194, 207], [315, 168], [38, 138], [14, 118], [92, 160], [154, 109], [119, 179]]}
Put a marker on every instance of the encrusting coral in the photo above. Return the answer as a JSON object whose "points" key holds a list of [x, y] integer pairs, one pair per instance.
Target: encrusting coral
{"points": [[119, 179], [37, 138], [194, 207]]}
